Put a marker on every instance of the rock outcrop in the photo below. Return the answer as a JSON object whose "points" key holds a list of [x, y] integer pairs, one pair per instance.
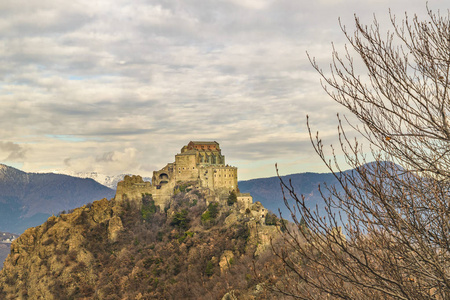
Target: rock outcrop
{"points": [[61, 246], [114, 250]]}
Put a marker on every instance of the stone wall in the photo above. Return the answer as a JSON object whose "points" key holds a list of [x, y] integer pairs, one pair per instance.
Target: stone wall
{"points": [[131, 188], [244, 201], [186, 166], [225, 177], [163, 176]]}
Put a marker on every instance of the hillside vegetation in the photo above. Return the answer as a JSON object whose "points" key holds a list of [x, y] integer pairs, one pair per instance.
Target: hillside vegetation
{"points": [[192, 250]]}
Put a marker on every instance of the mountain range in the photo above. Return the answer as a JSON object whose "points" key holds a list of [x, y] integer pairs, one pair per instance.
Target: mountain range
{"points": [[28, 199], [106, 180], [268, 190]]}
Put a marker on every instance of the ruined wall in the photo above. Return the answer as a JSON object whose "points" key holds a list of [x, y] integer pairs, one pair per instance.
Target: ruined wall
{"points": [[163, 176], [131, 188]]}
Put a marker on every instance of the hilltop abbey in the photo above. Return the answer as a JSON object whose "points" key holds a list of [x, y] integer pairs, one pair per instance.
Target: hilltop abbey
{"points": [[199, 163]]}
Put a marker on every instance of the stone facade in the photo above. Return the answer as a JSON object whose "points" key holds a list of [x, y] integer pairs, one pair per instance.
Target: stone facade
{"points": [[200, 163], [244, 201]]}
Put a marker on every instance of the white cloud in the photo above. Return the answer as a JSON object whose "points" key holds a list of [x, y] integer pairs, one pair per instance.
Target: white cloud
{"points": [[133, 82]]}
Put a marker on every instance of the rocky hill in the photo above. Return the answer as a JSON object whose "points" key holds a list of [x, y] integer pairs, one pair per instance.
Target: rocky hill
{"points": [[109, 250], [28, 199]]}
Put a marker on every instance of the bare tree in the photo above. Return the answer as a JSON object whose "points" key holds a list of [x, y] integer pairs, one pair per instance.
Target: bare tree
{"points": [[386, 231]]}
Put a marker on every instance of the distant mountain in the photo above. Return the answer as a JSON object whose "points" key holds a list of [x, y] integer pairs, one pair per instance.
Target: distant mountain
{"points": [[5, 249], [106, 180], [28, 199], [5, 244], [268, 190]]}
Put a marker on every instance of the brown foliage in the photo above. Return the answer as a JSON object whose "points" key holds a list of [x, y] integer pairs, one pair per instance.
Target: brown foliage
{"points": [[166, 255], [395, 242]]}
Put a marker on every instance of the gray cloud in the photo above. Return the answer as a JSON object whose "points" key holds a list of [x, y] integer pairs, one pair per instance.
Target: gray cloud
{"points": [[105, 157], [133, 82], [16, 152], [67, 162]]}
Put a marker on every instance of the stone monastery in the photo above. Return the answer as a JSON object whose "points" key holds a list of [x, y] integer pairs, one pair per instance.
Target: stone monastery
{"points": [[199, 163]]}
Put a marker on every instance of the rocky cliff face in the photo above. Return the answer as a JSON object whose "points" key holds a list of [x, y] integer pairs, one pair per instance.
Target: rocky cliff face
{"points": [[58, 253], [117, 251]]}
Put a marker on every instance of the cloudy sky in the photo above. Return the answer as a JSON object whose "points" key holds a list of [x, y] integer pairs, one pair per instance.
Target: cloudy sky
{"points": [[119, 86]]}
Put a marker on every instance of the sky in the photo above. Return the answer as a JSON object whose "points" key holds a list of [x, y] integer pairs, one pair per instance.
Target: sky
{"points": [[115, 86]]}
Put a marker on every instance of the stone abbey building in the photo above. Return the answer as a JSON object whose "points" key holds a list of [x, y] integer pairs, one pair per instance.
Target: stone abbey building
{"points": [[199, 163]]}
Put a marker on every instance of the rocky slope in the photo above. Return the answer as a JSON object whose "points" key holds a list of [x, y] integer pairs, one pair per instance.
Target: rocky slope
{"points": [[28, 199], [193, 250]]}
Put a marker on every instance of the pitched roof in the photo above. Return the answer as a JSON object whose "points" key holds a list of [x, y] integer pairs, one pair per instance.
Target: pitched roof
{"points": [[204, 143]]}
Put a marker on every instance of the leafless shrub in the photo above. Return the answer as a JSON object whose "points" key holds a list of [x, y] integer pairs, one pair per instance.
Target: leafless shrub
{"points": [[395, 211]]}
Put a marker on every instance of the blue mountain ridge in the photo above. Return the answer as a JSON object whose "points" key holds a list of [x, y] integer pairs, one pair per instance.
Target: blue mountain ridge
{"points": [[28, 199]]}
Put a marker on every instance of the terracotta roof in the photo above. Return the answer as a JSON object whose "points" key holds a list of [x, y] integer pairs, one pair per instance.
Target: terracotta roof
{"points": [[204, 143]]}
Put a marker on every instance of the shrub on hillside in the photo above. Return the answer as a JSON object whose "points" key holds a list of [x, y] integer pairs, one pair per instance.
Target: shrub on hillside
{"points": [[232, 198], [148, 206]]}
